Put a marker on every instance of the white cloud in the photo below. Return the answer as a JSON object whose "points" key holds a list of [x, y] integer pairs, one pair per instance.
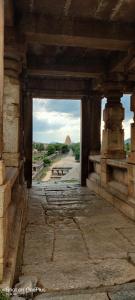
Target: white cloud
{"points": [[51, 126]]}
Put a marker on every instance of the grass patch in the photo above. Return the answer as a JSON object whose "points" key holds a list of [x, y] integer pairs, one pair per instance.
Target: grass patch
{"points": [[3, 296]]}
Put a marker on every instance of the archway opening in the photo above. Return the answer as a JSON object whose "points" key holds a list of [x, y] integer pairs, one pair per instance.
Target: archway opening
{"points": [[56, 141]]}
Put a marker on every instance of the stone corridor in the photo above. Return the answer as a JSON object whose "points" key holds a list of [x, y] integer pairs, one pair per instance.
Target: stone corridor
{"points": [[78, 245]]}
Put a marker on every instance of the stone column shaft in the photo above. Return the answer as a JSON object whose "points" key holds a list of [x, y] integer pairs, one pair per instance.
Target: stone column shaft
{"points": [[1, 72], [28, 139], [2, 167], [90, 132], [131, 158]]}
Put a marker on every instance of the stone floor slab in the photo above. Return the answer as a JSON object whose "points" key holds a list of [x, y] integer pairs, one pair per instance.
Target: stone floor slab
{"points": [[97, 296], [76, 240], [122, 295], [82, 274]]}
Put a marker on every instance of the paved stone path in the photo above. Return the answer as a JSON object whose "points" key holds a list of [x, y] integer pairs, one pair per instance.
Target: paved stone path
{"points": [[66, 161], [78, 246]]}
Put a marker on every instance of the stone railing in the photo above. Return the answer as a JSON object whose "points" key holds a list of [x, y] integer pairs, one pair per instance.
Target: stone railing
{"points": [[114, 180], [13, 204]]}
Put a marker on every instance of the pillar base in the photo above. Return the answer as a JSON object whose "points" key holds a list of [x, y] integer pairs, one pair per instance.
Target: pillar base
{"points": [[114, 154], [131, 182], [131, 158]]}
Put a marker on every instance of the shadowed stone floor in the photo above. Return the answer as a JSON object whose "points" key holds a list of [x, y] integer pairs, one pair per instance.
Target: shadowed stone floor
{"points": [[76, 241]]}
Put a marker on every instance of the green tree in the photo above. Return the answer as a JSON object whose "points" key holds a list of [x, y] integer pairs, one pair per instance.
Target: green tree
{"points": [[127, 147], [76, 151], [46, 161], [58, 146], [50, 149], [65, 149]]}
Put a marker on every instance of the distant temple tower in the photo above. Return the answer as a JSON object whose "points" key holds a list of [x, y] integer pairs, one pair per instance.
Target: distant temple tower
{"points": [[68, 140]]}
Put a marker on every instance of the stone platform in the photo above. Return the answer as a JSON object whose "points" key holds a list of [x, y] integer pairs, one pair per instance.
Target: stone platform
{"points": [[78, 245]]}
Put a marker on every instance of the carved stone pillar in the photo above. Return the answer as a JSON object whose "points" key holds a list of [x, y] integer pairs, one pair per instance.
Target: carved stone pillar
{"points": [[113, 133], [11, 110], [131, 158]]}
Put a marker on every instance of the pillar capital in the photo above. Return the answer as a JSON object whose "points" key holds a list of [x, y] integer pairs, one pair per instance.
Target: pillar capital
{"points": [[12, 63], [113, 94], [92, 96]]}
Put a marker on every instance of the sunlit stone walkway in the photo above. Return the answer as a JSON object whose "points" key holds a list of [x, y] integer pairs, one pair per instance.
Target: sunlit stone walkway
{"points": [[78, 246]]}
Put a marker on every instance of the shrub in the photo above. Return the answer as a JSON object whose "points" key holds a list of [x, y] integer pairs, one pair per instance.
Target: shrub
{"points": [[76, 151], [3, 295], [46, 161], [65, 149], [50, 149]]}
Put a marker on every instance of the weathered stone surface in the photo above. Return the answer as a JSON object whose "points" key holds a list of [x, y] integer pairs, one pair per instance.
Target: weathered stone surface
{"points": [[11, 159], [2, 172], [104, 243], [97, 296], [5, 198], [128, 233], [131, 257], [26, 284], [121, 205], [11, 120], [123, 295], [84, 274], [38, 244], [80, 244]]}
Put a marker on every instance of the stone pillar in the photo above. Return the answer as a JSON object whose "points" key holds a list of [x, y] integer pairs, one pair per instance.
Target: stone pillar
{"points": [[90, 132], [131, 158], [2, 166], [28, 139], [11, 110], [1, 72], [113, 134]]}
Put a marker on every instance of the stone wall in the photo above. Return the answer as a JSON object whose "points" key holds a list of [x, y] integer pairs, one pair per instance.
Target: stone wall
{"points": [[114, 181], [13, 204]]}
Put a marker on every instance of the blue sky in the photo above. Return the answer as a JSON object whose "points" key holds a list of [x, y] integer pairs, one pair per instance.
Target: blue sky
{"points": [[53, 120]]}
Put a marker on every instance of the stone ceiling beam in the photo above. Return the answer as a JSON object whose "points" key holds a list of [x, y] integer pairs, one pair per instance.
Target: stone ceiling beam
{"points": [[78, 71], [67, 7], [58, 88], [65, 73], [9, 12], [121, 62], [117, 9], [77, 33]]}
